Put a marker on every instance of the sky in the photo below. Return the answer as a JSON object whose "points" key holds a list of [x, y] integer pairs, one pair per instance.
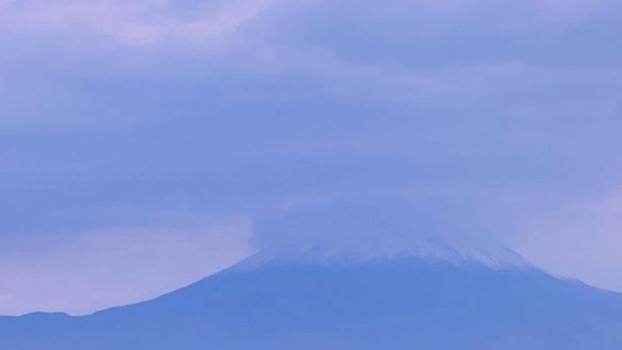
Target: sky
{"points": [[146, 144]]}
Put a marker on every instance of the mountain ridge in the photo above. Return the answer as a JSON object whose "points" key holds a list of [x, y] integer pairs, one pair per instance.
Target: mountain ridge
{"points": [[396, 303]]}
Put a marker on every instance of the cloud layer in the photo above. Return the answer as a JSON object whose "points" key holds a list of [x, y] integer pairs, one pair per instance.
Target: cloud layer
{"points": [[116, 114]]}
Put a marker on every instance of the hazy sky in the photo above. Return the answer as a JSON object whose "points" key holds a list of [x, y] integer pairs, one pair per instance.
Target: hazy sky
{"points": [[144, 144]]}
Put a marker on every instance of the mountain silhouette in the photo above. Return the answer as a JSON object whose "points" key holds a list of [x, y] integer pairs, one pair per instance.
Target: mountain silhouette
{"points": [[393, 303]]}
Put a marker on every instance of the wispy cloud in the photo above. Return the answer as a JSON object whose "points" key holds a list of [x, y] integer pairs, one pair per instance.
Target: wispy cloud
{"points": [[136, 24]]}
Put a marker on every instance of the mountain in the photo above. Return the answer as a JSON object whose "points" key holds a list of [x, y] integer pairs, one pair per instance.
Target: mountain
{"points": [[393, 303]]}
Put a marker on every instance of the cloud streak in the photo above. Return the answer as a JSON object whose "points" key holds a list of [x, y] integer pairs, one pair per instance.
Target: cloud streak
{"points": [[139, 24]]}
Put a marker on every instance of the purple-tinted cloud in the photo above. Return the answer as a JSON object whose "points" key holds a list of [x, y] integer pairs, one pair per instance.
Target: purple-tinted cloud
{"points": [[116, 112]]}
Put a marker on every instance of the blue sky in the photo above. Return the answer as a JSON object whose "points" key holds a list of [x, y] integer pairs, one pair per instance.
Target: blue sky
{"points": [[137, 132]]}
